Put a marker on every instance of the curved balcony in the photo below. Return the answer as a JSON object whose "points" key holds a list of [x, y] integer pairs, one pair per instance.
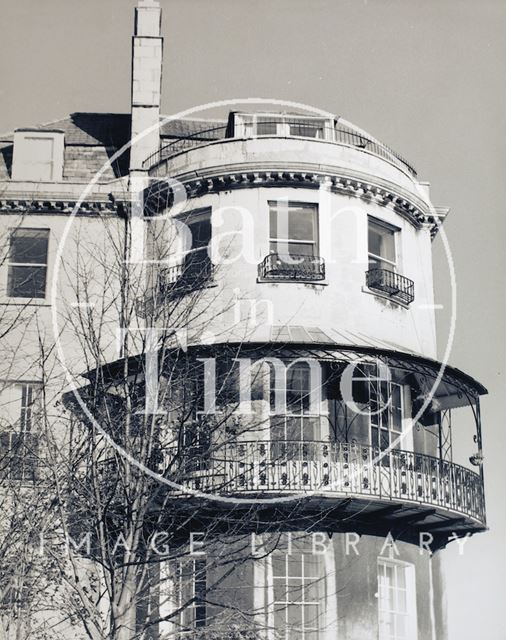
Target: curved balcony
{"points": [[391, 284], [410, 481], [290, 267], [283, 127]]}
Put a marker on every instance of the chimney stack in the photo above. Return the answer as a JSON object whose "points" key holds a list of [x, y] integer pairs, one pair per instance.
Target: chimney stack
{"points": [[147, 49]]}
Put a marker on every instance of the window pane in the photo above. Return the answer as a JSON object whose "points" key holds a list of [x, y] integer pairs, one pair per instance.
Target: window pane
{"points": [[267, 126], [29, 246], [307, 129], [298, 254], [201, 233], [280, 589], [295, 565], [384, 439], [293, 222], [310, 429], [311, 615], [298, 387], [26, 282], [301, 223], [401, 600], [396, 408], [293, 429], [294, 616], [381, 241]]}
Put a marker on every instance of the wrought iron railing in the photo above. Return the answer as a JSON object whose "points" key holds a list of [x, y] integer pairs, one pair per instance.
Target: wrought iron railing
{"points": [[294, 127], [190, 141], [192, 273], [278, 266], [393, 284], [327, 467]]}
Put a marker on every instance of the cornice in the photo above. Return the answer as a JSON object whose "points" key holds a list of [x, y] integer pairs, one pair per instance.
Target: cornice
{"points": [[44, 206], [349, 182]]}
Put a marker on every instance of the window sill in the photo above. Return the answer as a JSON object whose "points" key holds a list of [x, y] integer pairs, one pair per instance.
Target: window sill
{"points": [[323, 283], [385, 296], [24, 302]]}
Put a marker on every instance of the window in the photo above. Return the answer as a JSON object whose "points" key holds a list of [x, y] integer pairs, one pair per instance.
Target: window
{"points": [[292, 431], [38, 155], [293, 229], [386, 413], [27, 272], [41, 160], [381, 245], [384, 400], [298, 576], [396, 601], [19, 403], [283, 125], [293, 243], [196, 446], [191, 587], [194, 268]]}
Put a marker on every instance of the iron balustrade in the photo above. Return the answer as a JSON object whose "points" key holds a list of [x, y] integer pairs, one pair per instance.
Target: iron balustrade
{"points": [[192, 273], [278, 266], [393, 284], [351, 469], [283, 128], [185, 143]]}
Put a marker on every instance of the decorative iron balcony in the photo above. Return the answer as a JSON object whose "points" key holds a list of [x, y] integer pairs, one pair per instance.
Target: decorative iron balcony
{"points": [[192, 273], [394, 285], [277, 266], [349, 469]]}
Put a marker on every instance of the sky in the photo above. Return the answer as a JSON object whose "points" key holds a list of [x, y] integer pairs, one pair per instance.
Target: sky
{"points": [[425, 77]]}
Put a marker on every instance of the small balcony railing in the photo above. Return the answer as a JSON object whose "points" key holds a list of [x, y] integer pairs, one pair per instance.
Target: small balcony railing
{"points": [[277, 266], [393, 284], [352, 469], [192, 273]]}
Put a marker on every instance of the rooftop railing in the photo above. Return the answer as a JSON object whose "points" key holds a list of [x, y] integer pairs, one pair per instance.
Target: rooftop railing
{"points": [[285, 128], [350, 469]]}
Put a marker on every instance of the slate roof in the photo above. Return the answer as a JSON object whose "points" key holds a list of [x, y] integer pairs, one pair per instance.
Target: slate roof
{"points": [[113, 129], [99, 136]]}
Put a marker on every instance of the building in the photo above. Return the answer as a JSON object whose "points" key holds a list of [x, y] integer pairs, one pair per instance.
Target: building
{"points": [[318, 421]]}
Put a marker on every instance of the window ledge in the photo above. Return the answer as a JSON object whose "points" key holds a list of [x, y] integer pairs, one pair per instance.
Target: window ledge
{"points": [[24, 302], [323, 283], [385, 296]]}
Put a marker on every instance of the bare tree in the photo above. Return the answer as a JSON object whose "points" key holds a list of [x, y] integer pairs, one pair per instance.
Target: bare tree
{"points": [[130, 455]]}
